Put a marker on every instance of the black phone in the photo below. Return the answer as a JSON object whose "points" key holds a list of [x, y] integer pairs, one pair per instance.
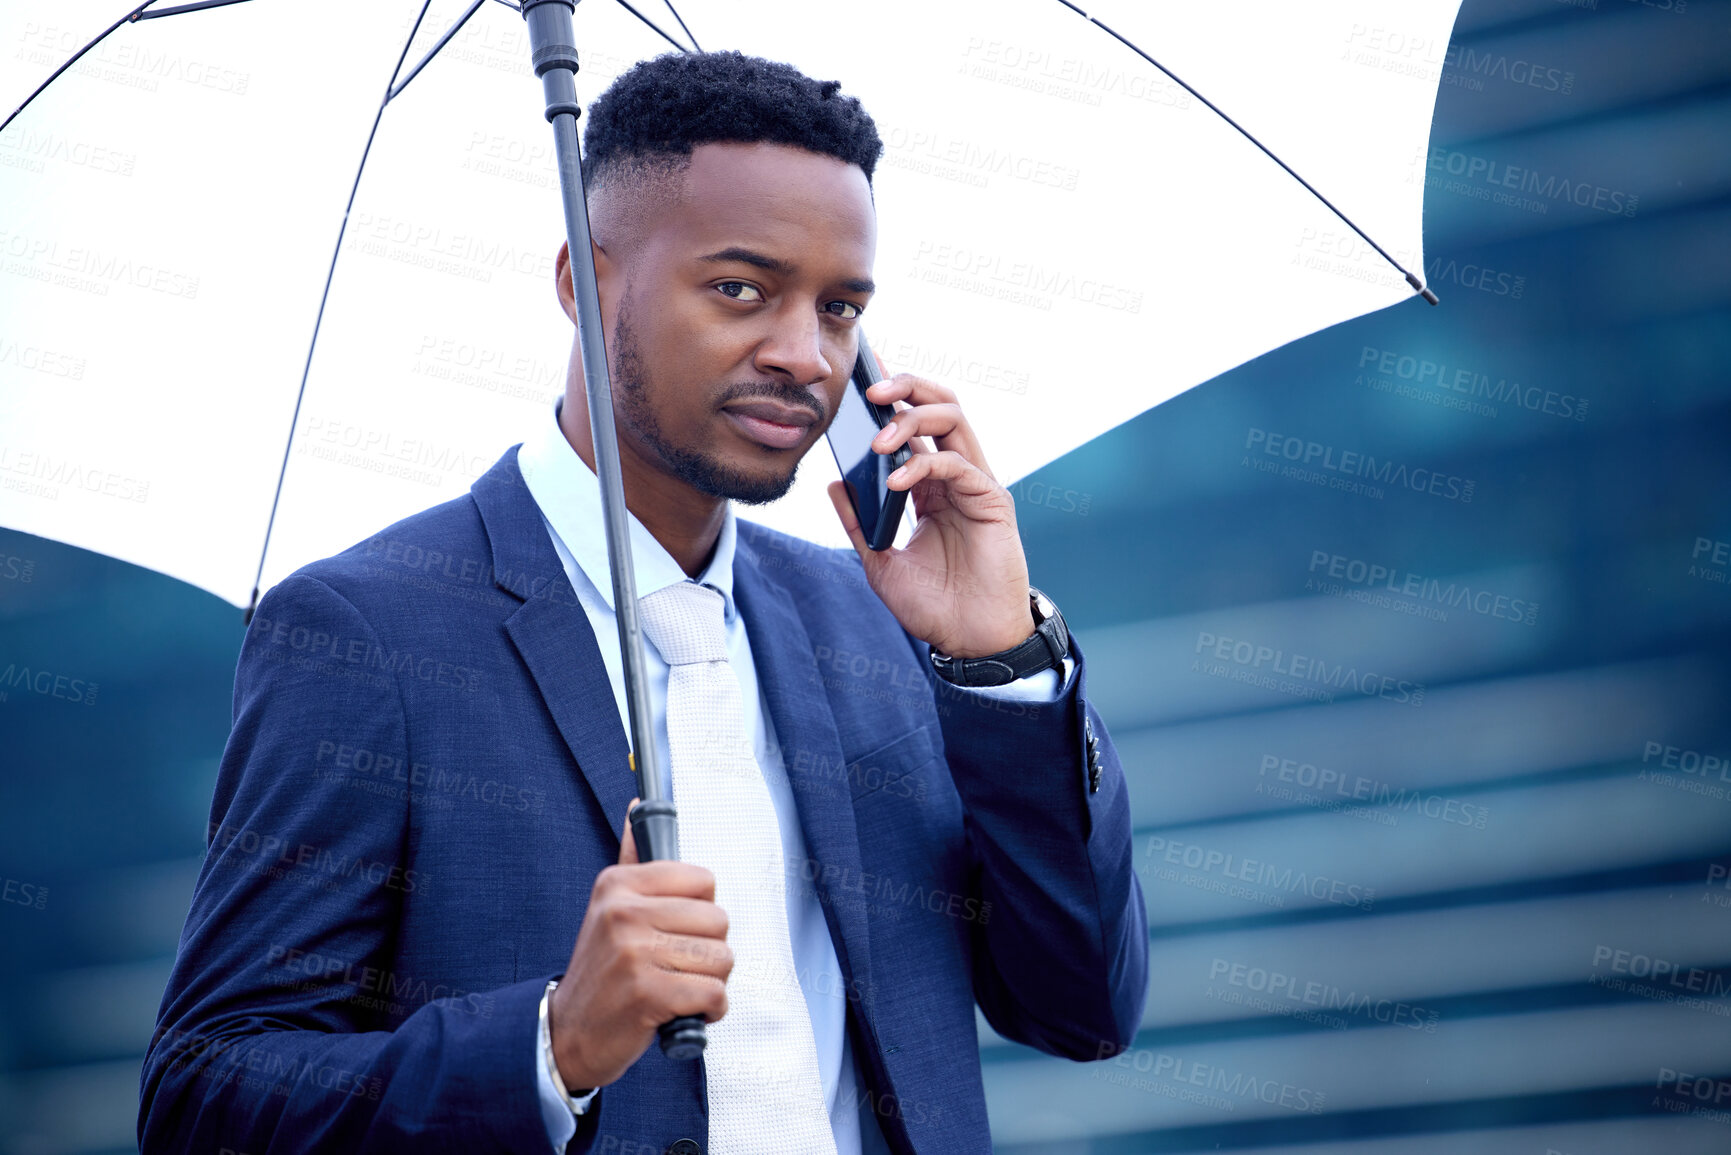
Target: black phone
{"points": [[864, 469]]}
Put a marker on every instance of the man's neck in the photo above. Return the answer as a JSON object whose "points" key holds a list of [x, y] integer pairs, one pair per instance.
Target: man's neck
{"points": [[685, 522]]}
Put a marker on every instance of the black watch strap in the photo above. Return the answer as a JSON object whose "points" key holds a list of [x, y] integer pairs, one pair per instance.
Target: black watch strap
{"points": [[1044, 649]]}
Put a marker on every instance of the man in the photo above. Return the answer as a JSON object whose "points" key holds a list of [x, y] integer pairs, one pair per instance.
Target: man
{"points": [[418, 926]]}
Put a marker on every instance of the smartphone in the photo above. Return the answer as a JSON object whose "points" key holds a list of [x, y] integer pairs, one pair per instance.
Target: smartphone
{"points": [[864, 469]]}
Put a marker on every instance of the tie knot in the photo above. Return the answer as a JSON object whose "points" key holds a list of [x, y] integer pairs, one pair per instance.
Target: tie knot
{"points": [[685, 622]]}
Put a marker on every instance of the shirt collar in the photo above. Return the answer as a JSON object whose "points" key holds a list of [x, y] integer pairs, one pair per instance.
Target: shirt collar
{"points": [[569, 496]]}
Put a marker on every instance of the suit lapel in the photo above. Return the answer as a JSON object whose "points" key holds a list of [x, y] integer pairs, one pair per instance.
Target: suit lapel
{"points": [[553, 636], [788, 678]]}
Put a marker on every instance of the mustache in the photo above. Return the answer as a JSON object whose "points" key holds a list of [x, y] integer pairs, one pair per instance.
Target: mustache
{"points": [[786, 394]]}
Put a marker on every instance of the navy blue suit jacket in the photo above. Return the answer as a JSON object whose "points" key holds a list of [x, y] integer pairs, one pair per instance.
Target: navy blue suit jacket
{"points": [[427, 771]]}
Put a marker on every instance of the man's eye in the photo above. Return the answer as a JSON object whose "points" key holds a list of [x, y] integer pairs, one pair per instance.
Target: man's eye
{"points": [[740, 291], [844, 309]]}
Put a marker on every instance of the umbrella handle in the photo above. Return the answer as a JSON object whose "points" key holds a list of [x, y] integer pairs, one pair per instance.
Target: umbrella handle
{"points": [[655, 830]]}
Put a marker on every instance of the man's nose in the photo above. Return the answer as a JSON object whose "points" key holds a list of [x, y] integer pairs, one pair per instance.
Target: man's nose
{"points": [[794, 347]]}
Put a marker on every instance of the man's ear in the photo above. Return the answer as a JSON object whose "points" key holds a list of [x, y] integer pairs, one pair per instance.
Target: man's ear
{"points": [[562, 275]]}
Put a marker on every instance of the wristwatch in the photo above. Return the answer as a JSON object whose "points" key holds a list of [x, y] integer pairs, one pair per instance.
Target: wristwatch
{"points": [[1045, 648], [577, 1103]]}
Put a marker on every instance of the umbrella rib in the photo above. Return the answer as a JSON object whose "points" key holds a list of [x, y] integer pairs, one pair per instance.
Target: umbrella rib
{"points": [[330, 275], [626, 4], [682, 24], [1418, 285], [74, 59], [179, 8], [431, 52]]}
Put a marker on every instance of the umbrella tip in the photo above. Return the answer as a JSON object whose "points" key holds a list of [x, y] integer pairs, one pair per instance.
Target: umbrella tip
{"points": [[1419, 287]]}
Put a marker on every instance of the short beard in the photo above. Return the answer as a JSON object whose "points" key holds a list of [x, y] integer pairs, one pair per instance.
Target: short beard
{"points": [[698, 470]]}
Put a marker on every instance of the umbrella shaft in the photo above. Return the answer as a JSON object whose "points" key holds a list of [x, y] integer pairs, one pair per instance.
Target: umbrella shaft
{"points": [[555, 60]]}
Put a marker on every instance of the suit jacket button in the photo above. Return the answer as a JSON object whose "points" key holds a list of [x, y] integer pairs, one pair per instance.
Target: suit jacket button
{"points": [[683, 1147]]}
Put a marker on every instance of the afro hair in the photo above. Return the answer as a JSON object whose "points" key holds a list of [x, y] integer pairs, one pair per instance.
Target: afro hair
{"points": [[661, 109]]}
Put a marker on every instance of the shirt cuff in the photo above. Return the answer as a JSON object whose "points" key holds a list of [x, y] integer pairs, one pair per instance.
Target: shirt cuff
{"points": [[1044, 686], [556, 1112]]}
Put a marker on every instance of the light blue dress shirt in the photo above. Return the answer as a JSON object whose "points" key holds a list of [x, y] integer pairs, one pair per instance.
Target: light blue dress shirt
{"points": [[569, 496]]}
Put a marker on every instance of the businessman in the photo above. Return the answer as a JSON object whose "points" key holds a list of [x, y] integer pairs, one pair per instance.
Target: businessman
{"points": [[421, 924]]}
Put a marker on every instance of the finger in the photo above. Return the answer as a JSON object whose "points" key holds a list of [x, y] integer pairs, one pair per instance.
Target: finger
{"points": [[627, 841], [932, 410], [944, 423], [913, 389], [962, 478], [693, 994], [669, 879], [689, 955], [688, 917]]}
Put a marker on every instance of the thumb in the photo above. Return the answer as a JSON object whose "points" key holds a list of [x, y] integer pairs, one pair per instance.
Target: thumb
{"points": [[628, 843], [844, 510]]}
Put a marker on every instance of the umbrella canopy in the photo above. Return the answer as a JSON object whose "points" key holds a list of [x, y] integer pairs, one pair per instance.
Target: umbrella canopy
{"points": [[1066, 236]]}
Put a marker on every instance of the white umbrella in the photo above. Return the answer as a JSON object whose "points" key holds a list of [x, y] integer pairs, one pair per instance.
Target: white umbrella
{"points": [[1066, 236]]}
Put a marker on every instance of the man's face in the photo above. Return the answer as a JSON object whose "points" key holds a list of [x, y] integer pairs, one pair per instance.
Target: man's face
{"points": [[733, 327]]}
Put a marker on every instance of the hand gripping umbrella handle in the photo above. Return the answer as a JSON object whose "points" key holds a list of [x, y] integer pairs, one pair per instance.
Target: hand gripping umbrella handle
{"points": [[654, 821], [655, 831]]}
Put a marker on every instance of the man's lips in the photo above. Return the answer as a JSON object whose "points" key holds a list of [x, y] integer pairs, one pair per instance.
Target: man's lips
{"points": [[768, 423]]}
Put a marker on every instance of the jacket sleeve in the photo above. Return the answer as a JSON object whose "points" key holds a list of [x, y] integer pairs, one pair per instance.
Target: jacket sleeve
{"points": [[260, 1047], [1062, 964]]}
